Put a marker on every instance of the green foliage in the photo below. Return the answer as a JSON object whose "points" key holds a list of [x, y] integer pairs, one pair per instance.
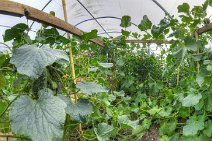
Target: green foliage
{"points": [[140, 68], [90, 35], [145, 24], [168, 128], [15, 32], [125, 21], [2, 80], [52, 13], [180, 55], [184, 8], [125, 33], [126, 122], [194, 124], [190, 43], [208, 128], [191, 99], [4, 124], [32, 60], [39, 84], [103, 131], [199, 80], [91, 88], [38, 119], [198, 11], [106, 65], [3, 58], [209, 2], [189, 138], [209, 102], [80, 110], [121, 91]]}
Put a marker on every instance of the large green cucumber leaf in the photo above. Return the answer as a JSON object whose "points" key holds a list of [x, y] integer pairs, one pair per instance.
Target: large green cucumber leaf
{"points": [[103, 131], [180, 55], [208, 128], [208, 103], [189, 138], [80, 110], [32, 60], [40, 119], [106, 65], [204, 138], [168, 128], [190, 43], [65, 99], [200, 80], [91, 87], [124, 120], [194, 124], [191, 100]]}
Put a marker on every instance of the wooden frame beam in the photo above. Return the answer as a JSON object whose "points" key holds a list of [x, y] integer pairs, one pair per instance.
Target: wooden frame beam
{"points": [[204, 29], [19, 10], [149, 41]]}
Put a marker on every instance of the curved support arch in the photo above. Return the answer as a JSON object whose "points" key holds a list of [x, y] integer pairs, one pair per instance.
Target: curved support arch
{"points": [[113, 32], [103, 17]]}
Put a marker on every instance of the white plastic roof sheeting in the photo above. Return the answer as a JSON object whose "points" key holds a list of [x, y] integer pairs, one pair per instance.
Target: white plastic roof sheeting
{"points": [[106, 12]]}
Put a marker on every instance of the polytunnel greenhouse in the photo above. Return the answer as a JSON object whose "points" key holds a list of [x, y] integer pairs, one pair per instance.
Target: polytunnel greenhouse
{"points": [[105, 70]]}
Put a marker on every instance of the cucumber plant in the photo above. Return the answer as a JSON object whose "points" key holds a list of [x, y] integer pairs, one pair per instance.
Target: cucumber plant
{"points": [[125, 91]]}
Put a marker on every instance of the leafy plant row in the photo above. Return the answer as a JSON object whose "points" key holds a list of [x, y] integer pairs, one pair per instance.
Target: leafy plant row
{"points": [[122, 91]]}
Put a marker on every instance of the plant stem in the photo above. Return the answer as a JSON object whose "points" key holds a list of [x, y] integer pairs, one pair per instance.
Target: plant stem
{"points": [[5, 110], [198, 65], [89, 139], [181, 123], [178, 75], [71, 57], [12, 136], [6, 69], [200, 53], [6, 46]]}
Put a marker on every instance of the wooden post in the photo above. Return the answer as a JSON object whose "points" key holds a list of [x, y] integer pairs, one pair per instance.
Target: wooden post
{"points": [[70, 47], [71, 57], [198, 65], [178, 75], [150, 41]]}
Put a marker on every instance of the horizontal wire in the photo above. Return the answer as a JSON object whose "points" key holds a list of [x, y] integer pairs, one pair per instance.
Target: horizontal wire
{"points": [[93, 17], [103, 17], [41, 10]]}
